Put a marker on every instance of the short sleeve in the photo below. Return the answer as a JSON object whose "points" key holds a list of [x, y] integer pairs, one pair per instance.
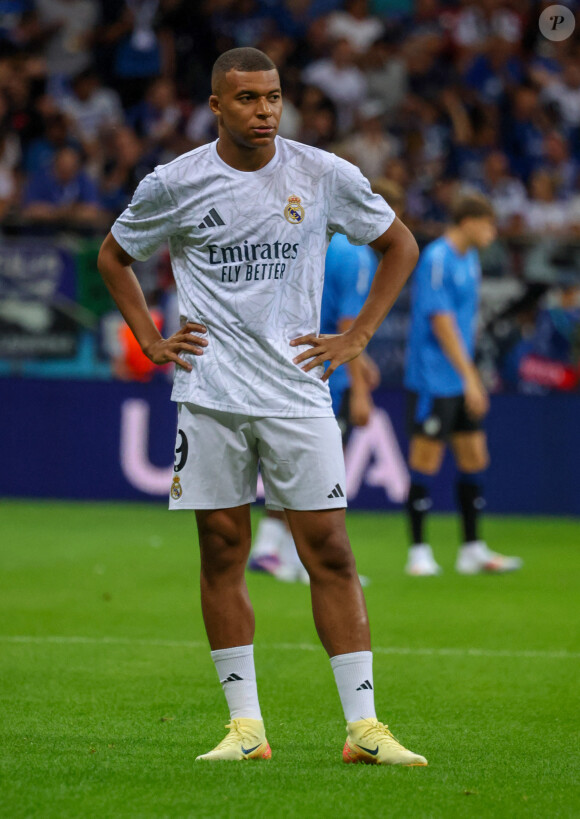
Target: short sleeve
{"points": [[433, 290], [354, 209], [149, 220]]}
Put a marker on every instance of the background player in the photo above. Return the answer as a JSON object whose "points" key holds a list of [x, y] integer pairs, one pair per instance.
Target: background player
{"points": [[248, 219], [348, 274], [446, 399]]}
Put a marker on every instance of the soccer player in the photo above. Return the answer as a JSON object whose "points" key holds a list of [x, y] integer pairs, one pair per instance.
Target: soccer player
{"points": [[447, 400], [248, 219]]}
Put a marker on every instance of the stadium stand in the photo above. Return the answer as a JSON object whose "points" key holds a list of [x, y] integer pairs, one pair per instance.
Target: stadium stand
{"points": [[435, 96]]}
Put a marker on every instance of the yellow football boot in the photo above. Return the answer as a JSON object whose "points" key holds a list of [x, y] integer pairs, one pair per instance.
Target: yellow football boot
{"points": [[371, 742], [246, 740]]}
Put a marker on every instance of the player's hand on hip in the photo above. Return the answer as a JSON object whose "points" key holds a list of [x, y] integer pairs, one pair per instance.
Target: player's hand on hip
{"points": [[476, 397], [185, 340], [336, 349]]}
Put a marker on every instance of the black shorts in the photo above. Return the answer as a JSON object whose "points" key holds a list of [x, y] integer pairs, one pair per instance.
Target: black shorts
{"points": [[438, 417]]}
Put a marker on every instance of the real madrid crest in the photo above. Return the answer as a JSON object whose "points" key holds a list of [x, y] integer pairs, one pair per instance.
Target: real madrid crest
{"points": [[294, 212], [176, 488]]}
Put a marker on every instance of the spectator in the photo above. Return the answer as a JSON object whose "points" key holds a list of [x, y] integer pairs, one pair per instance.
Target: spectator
{"points": [[239, 24], [385, 73], [68, 26], [356, 25], [295, 17], [19, 27], [545, 215], [22, 117], [495, 71], [523, 131], [369, 146], [63, 194], [558, 162], [428, 71], [341, 81], [318, 118], [475, 135], [92, 109], [123, 170], [506, 193], [140, 48], [156, 118], [475, 23], [564, 92], [41, 151]]}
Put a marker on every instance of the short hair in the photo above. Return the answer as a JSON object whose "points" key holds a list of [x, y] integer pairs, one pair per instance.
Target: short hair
{"points": [[239, 59], [471, 205]]}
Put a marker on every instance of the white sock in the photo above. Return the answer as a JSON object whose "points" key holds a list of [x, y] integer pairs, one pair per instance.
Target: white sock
{"points": [[269, 537], [354, 679], [236, 672]]}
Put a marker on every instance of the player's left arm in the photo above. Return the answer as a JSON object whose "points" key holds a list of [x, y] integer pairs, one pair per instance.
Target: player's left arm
{"points": [[399, 256]]}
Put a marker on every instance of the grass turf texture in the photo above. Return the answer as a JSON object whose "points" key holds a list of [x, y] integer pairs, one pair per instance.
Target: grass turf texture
{"points": [[109, 725]]}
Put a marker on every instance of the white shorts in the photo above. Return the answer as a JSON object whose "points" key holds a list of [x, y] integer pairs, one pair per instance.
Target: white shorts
{"points": [[217, 456]]}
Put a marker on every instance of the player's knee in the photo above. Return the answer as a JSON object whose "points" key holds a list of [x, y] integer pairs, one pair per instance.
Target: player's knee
{"points": [[222, 552], [474, 462], [331, 556], [426, 458]]}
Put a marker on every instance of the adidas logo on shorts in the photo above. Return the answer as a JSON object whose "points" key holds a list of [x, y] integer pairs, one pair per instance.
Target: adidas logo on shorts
{"points": [[336, 492]]}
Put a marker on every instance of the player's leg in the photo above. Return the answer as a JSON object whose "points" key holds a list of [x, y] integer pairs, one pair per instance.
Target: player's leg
{"points": [[304, 472], [341, 620], [216, 467], [426, 422], [224, 540], [469, 446], [338, 603]]}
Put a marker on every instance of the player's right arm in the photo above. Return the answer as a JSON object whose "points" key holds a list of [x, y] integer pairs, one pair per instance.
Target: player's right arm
{"points": [[114, 265], [447, 334]]}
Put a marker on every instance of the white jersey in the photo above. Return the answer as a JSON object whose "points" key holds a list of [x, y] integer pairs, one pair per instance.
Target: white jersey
{"points": [[248, 250]]}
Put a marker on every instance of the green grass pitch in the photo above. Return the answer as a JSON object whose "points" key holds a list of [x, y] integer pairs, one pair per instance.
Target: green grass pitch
{"points": [[107, 690]]}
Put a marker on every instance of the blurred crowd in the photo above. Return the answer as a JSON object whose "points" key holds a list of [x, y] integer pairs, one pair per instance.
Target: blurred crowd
{"points": [[428, 94]]}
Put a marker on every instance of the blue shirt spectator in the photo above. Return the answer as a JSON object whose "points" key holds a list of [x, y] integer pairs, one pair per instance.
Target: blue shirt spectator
{"points": [[62, 192]]}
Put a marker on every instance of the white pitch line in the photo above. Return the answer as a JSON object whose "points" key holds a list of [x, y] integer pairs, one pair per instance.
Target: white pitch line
{"points": [[189, 644]]}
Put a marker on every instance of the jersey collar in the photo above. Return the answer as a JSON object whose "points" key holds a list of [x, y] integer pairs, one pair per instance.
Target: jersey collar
{"points": [[235, 172]]}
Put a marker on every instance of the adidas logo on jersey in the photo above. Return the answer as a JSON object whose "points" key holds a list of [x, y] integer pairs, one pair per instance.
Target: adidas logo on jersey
{"points": [[366, 686], [211, 220], [336, 492]]}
